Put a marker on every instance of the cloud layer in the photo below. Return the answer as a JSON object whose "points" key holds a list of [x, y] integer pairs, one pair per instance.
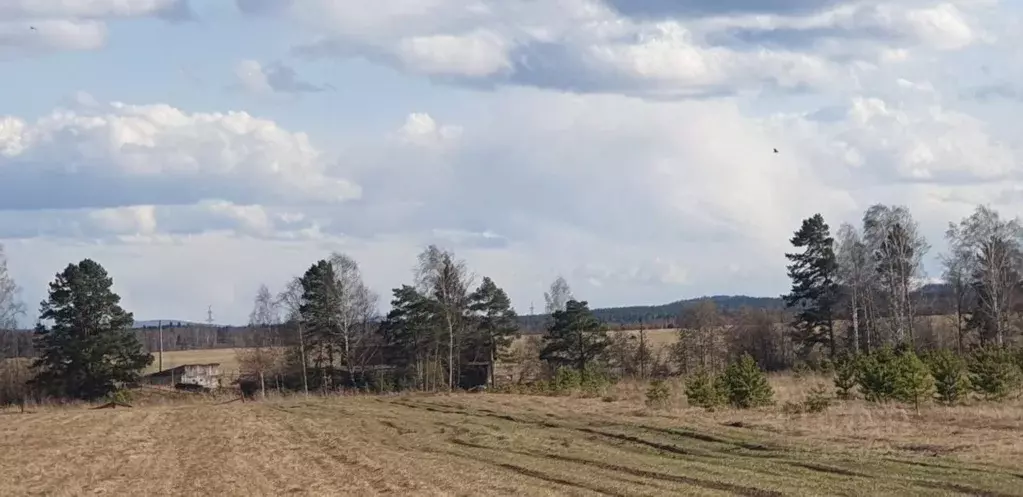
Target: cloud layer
{"points": [[625, 145]]}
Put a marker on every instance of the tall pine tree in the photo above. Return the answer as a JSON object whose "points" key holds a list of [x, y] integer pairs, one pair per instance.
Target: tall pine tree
{"points": [[495, 321], [90, 350], [814, 289], [575, 338], [408, 334]]}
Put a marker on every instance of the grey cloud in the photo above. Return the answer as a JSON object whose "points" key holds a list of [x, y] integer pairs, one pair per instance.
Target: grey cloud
{"points": [[180, 11], [690, 8], [263, 7], [284, 79], [1005, 91]]}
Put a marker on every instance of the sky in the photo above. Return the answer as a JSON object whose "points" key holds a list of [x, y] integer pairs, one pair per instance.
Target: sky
{"points": [[200, 149]]}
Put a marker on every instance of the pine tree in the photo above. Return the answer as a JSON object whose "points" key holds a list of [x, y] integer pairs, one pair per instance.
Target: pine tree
{"points": [[91, 350], [575, 338], [746, 384], [950, 380], [495, 322], [913, 381], [318, 310], [408, 333], [814, 289]]}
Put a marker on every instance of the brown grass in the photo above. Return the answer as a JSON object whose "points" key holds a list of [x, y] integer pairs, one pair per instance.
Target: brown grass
{"points": [[489, 444]]}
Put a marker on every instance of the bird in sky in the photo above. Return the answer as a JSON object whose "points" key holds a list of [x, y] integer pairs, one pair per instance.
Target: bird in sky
{"points": [[775, 150]]}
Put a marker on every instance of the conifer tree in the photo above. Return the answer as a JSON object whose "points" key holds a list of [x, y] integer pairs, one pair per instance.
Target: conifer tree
{"points": [[575, 338], [495, 321], [90, 350], [814, 289]]}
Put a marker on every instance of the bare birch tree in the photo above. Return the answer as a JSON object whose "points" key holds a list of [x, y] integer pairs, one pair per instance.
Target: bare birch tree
{"points": [[957, 266], [262, 355], [855, 273], [559, 294], [893, 238], [356, 308], [290, 301], [446, 280], [991, 250], [11, 307]]}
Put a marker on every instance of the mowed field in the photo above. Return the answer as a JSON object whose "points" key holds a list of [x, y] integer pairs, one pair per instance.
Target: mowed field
{"points": [[492, 444]]}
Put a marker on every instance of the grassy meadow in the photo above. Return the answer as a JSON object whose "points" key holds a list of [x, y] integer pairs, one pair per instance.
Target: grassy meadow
{"points": [[495, 444]]}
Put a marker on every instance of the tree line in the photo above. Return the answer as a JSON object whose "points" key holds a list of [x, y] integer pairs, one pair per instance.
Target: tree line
{"points": [[856, 293], [853, 292]]}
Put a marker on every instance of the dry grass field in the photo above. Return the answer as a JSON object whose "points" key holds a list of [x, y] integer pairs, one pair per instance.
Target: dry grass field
{"points": [[490, 444], [229, 362]]}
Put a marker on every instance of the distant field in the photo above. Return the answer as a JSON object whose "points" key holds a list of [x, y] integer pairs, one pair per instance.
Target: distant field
{"points": [[225, 357], [229, 362], [488, 444]]}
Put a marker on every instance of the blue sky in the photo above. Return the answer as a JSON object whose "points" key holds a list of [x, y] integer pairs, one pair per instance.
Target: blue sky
{"points": [[200, 149]]}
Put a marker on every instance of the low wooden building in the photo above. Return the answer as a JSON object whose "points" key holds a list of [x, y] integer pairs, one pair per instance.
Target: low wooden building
{"points": [[194, 375]]}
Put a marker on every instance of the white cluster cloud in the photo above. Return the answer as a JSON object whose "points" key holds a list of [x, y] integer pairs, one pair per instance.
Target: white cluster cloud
{"points": [[121, 154], [576, 155], [589, 45], [33, 26]]}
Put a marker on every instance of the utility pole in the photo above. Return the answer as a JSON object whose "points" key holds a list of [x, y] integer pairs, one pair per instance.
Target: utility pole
{"points": [[160, 327], [209, 321], [642, 348]]}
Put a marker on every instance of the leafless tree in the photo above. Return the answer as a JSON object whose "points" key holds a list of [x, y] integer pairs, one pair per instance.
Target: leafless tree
{"points": [[290, 301], [356, 308], [701, 343], [855, 272], [559, 294], [447, 280], [991, 251], [11, 307], [262, 356], [957, 266], [892, 236]]}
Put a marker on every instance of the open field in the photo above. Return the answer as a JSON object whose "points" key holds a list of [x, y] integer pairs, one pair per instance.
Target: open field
{"points": [[229, 362], [488, 444]]}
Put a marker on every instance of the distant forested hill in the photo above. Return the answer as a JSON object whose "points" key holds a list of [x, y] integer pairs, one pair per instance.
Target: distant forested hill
{"points": [[664, 315]]}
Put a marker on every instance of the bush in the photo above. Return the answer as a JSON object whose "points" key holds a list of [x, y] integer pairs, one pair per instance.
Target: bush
{"points": [[703, 391], [993, 373], [818, 400], [845, 377], [593, 383], [746, 384], [913, 381], [876, 374], [950, 380], [566, 380], [658, 394]]}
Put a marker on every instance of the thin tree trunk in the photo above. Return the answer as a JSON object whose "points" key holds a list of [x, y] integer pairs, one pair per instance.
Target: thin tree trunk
{"points": [[301, 350]]}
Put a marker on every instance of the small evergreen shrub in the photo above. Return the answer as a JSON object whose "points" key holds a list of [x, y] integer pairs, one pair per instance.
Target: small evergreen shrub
{"points": [[593, 383], [993, 373], [913, 381], [566, 380], [845, 378], [703, 391], [876, 374], [746, 384], [818, 400], [658, 394], [951, 384]]}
